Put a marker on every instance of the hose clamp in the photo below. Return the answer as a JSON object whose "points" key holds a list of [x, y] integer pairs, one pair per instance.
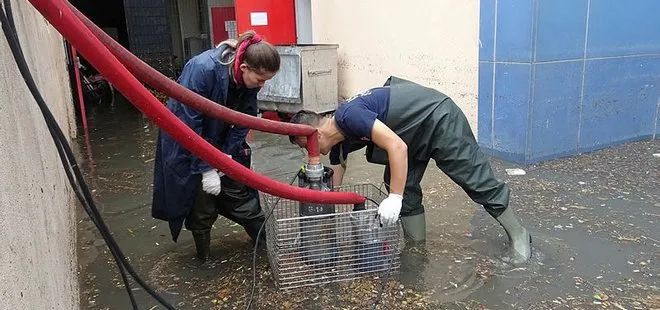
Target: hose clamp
{"points": [[314, 171]]}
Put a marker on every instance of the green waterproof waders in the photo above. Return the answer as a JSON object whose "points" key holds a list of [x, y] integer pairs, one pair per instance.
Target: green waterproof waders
{"points": [[434, 127]]}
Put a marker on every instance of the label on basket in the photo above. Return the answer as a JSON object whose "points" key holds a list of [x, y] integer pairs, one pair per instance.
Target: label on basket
{"points": [[308, 209]]}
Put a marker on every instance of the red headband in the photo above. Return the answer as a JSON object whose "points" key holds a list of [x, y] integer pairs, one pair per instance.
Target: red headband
{"points": [[240, 54]]}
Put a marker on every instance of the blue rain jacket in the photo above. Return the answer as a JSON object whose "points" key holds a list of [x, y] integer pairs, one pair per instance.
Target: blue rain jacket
{"points": [[178, 172]]}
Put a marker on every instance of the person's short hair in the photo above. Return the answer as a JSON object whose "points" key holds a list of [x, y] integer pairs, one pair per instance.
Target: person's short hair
{"points": [[305, 117]]}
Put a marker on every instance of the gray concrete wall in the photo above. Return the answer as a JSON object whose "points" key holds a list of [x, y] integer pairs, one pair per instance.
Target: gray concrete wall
{"points": [[37, 220]]}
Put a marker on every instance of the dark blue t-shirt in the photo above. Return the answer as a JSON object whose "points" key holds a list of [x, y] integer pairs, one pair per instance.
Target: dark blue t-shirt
{"points": [[356, 118]]}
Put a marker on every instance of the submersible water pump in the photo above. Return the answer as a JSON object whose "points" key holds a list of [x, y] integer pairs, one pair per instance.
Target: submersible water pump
{"points": [[318, 232]]}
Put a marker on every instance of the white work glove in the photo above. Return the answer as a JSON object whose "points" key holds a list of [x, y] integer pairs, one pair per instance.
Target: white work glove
{"points": [[211, 182], [389, 209]]}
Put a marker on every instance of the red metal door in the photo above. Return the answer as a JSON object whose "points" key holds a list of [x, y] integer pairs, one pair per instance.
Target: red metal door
{"points": [[275, 20], [219, 15]]}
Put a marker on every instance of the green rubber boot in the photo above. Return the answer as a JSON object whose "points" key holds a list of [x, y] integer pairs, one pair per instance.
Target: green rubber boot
{"points": [[520, 240], [414, 227]]}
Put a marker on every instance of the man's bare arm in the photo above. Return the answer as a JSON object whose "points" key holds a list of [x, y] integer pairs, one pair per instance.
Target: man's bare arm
{"points": [[397, 154], [338, 176]]}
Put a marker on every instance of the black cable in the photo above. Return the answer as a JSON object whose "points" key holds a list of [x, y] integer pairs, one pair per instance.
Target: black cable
{"points": [[379, 295], [383, 283], [372, 200], [9, 14], [256, 244], [69, 162]]}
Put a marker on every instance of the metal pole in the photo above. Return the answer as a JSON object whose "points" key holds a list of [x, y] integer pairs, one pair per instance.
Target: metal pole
{"points": [[81, 100]]}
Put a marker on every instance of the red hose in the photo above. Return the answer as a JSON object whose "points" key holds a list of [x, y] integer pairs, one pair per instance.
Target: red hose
{"points": [[61, 17], [151, 76]]}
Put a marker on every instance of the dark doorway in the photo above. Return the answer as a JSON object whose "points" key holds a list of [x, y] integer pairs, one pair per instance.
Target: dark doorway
{"points": [[109, 15]]}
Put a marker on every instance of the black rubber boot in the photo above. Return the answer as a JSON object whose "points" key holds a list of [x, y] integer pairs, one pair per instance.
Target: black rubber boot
{"points": [[203, 244], [252, 229], [520, 240]]}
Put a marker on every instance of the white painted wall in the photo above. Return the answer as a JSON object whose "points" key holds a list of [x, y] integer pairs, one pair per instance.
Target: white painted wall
{"points": [[37, 220], [431, 42]]}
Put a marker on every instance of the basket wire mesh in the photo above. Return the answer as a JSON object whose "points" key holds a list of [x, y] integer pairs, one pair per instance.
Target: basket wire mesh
{"points": [[340, 245]]}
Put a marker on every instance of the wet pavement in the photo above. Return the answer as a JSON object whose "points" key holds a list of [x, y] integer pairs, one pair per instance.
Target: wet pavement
{"points": [[594, 220]]}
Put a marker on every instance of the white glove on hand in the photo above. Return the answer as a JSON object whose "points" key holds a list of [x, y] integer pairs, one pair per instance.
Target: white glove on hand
{"points": [[211, 182], [389, 209]]}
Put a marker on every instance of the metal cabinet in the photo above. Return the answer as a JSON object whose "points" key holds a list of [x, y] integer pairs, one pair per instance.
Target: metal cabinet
{"points": [[307, 80]]}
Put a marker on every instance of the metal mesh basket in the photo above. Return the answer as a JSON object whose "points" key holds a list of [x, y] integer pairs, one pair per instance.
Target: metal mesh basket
{"points": [[340, 245]]}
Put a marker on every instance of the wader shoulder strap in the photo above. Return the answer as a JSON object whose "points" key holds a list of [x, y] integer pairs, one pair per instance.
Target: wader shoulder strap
{"points": [[342, 160]]}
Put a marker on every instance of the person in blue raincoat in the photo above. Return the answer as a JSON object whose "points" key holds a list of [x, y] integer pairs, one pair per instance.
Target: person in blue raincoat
{"points": [[187, 190]]}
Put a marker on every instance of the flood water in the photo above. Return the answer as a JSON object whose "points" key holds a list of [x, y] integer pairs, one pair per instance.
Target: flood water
{"points": [[594, 220]]}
